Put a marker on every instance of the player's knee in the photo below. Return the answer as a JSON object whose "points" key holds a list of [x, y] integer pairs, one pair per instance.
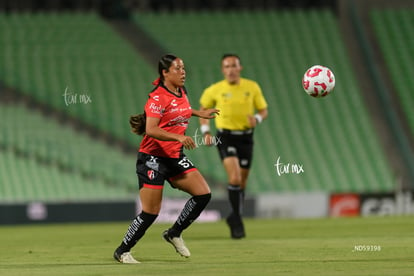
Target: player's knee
{"points": [[235, 180], [151, 208], [203, 200]]}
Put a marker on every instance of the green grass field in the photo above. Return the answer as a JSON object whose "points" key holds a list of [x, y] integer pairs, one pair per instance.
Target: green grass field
{"points": [[272, 247]]}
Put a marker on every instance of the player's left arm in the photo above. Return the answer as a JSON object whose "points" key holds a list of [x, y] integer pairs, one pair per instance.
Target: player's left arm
{"points": [[209, 113], [260, 105], [258, 117]]}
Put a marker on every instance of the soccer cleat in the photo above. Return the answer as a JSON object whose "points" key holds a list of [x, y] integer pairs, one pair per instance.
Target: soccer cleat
{"points": [[125, 258], [236, 227], [178, 244]]}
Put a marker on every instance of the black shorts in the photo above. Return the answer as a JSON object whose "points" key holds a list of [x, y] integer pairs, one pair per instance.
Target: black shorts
{"points": [[152, 170], [234, 143]]}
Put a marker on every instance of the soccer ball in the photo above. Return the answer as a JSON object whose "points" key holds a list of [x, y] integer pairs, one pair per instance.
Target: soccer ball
{"points": [[318, 81]]}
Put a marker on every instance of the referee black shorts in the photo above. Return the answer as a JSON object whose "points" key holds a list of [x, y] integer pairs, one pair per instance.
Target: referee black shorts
{"points": [[153, 170], [236, 143]]}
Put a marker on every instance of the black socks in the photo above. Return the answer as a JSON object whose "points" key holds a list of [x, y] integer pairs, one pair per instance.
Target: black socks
{"points": [[140, 224], [190, 212], [236, 195], [136, 230]]}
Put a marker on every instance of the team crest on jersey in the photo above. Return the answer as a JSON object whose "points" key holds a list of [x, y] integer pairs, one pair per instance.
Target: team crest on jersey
{"points": [[151, 174]]}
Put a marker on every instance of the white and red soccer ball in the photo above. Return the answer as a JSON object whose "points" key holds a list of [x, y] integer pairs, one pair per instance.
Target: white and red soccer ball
{"points": [[318, 81]]}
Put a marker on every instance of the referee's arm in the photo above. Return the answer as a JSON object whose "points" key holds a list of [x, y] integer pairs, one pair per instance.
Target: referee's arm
{"points": [[258, 117], [205, 129], [204, 123]]}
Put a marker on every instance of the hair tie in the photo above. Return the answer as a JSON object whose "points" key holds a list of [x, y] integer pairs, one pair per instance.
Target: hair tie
{"points": [[156, 82]]}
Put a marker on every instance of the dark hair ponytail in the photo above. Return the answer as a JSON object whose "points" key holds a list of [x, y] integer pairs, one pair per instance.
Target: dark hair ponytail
{"points": [[137, 123]]}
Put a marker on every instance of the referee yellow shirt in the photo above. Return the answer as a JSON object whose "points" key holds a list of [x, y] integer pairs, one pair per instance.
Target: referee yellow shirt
{"points": [[235, 102]]}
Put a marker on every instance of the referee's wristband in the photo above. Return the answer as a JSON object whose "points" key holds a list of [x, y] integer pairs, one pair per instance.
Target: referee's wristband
{"points": [[258, 117], [204, 129]]}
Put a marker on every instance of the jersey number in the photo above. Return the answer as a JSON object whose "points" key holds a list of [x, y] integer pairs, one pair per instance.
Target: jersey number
{"points": [[185, 163]]}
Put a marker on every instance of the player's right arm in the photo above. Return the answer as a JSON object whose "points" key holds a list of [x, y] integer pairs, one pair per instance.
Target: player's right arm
{"points": [[153, 130]]}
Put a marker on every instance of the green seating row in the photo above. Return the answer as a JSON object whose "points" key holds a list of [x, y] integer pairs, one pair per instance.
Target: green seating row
{"points": [[24, 179], [44, 145], [44, 55], [394, 31]]}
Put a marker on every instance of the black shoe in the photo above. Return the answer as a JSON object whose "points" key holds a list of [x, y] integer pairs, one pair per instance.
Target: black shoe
{"points": [[236, 226]]}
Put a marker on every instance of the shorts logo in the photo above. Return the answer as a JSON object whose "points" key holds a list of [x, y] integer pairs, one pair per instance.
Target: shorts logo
{"points": [[151, 174], [231, 150], [152, 163]]}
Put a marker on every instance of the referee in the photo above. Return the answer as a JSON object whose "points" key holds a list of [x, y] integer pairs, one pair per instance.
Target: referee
{"points": [[242, 107]]}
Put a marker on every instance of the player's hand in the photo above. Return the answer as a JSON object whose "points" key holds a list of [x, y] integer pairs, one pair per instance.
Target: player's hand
{"points": [[252, 121], [208, 113], [208, 139], [187, 142]]}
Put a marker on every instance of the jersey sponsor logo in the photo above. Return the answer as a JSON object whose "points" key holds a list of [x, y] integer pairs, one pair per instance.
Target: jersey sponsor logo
{"points": [[173, 102], [156, 109], [172, 110], [179, 121], [156, 98]]}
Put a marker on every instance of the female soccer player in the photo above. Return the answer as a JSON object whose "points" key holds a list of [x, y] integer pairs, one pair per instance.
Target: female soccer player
{"points": [[238, 99], [160, 157]]}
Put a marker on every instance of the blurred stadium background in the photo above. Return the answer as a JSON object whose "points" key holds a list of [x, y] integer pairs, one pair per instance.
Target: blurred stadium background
{"points": [[72, 72]]}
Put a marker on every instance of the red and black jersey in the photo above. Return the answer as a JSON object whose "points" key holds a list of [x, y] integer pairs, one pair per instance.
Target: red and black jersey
{"points": [[174, 113]]}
